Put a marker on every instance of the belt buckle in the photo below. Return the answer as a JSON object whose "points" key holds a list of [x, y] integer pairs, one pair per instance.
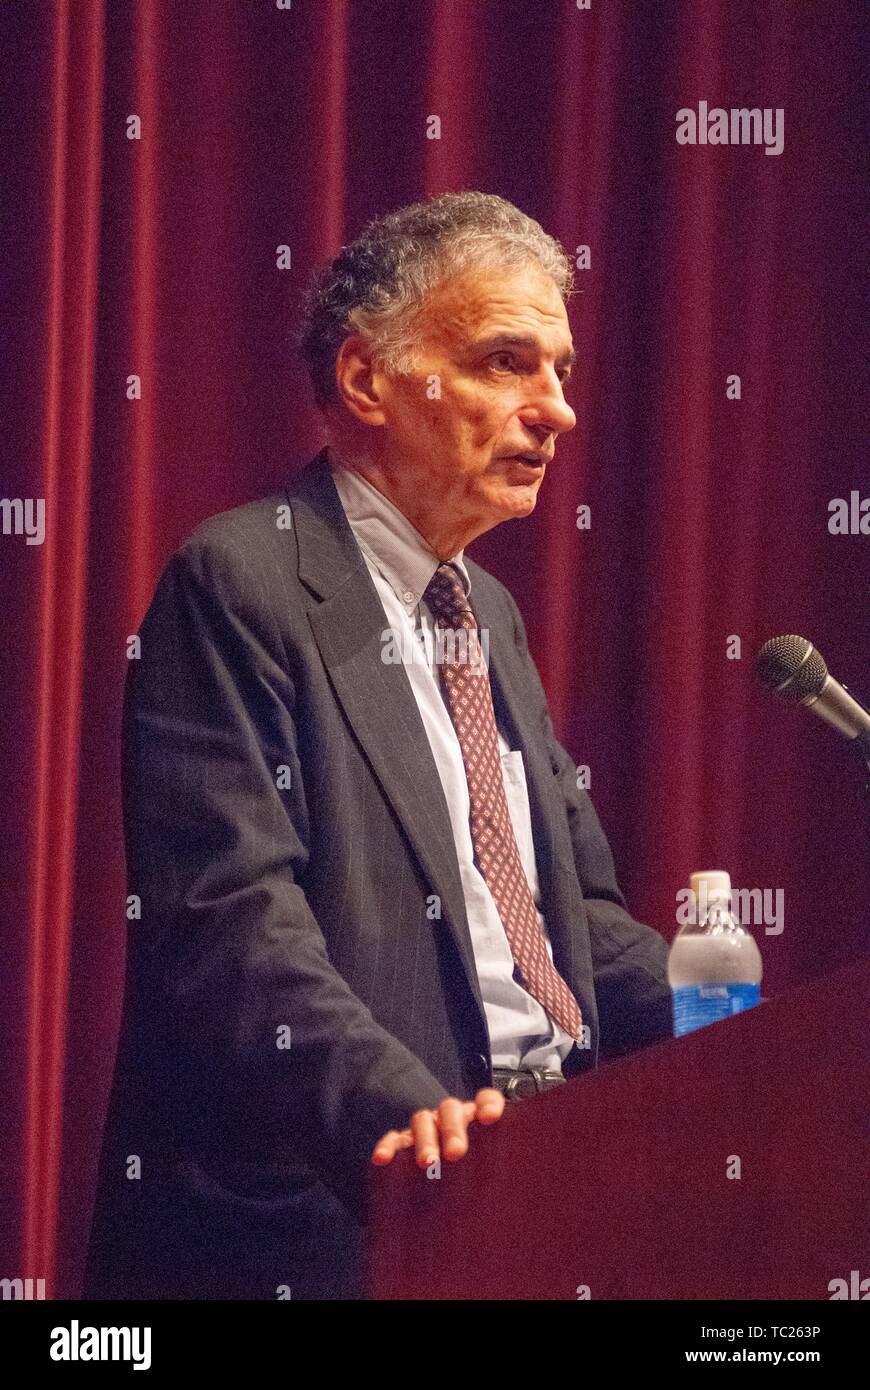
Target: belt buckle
{"points": [[524, 1082]]}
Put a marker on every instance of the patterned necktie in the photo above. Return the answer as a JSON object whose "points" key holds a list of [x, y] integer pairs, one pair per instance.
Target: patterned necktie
{"points": [[492, 835]]}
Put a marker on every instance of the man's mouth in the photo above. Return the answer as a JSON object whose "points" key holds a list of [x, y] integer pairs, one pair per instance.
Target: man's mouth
{"points": [[531, 461]]}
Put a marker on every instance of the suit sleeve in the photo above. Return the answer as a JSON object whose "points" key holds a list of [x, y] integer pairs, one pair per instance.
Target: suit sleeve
{"points": [[272, 1048], [629, 960]]}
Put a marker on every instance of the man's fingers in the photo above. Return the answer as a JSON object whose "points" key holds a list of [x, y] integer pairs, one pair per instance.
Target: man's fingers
{"points": [[453, 1119], [489, 1104], [386, 1149], [425, 1132], [441, 1132]]}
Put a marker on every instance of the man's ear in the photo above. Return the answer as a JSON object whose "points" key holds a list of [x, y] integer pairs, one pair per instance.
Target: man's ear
{"points": [[356, 380]]}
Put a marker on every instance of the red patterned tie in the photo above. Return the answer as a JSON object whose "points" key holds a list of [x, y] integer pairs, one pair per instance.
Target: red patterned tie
{"points": [[495, 846]]}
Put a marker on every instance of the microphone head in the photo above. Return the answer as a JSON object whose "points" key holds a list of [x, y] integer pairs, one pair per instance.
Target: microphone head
{"points": [[791, 667]]}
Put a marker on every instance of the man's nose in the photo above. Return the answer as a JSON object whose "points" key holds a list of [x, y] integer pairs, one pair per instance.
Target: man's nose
{"points": [[552, 414]]}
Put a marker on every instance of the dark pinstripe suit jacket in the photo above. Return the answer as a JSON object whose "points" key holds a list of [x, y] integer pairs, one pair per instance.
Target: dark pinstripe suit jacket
{"points": [[289, 997]]}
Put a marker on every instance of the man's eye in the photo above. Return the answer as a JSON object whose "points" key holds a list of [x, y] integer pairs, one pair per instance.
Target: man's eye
{"points": [[503, 357]]}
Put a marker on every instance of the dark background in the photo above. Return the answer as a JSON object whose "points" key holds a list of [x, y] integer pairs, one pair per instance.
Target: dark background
{"points": [[262, 128]]}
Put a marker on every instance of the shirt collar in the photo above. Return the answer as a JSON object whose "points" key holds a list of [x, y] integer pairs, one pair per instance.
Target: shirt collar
{"points": [[386, 535]]}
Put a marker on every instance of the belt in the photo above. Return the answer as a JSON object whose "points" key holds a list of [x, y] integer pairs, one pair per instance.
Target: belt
{"points": [[527, 1082]]}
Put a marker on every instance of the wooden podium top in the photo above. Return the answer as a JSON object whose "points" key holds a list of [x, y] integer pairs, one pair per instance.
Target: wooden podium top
{"points": [[729, 1164]]}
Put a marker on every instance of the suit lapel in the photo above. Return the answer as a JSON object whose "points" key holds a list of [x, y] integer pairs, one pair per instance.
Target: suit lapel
{"points": [[376, 697]]}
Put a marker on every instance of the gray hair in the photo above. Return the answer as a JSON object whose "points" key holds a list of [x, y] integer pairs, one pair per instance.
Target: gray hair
{"points": [[376, 286]]}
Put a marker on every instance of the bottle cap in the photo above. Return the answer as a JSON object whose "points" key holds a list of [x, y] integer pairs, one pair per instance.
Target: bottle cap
{"points": [[712, 883]]}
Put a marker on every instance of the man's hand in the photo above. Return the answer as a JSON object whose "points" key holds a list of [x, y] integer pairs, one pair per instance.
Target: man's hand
{"points": [[448, 1124]]}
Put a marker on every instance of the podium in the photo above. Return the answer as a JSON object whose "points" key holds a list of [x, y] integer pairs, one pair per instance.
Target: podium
{"points": [[727, 1164]]}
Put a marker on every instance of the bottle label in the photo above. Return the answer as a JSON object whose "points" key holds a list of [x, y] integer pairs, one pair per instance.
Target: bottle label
{"points": [[697, 1005]]}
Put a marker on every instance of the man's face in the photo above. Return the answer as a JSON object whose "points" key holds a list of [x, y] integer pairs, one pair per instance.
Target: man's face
{"points": [[498, 346]]}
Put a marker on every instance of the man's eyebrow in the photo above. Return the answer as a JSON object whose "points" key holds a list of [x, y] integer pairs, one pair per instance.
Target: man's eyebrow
{"points": [[509, 340]]}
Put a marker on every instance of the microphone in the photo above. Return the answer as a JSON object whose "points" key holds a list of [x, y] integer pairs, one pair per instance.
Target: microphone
{"points": [[793, 669]]}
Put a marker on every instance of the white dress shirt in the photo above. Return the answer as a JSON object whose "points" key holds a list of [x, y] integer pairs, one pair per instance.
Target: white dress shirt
{"points": [[401, 564]]}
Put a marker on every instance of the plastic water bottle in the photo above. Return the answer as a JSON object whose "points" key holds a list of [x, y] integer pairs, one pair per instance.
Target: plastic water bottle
{"points": [[714, 965]]}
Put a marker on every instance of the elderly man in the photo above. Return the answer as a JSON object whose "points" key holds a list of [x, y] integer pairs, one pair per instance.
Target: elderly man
{"points": [[374, 903]]}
